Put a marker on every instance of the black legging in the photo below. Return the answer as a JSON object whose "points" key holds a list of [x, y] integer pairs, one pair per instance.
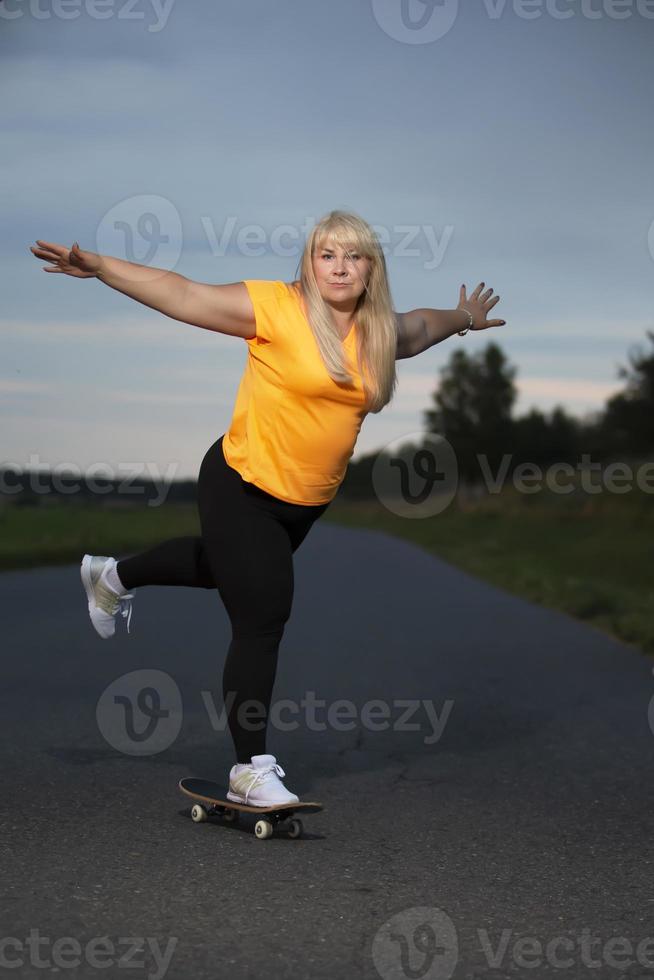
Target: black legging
{"points": [[245, 551]]}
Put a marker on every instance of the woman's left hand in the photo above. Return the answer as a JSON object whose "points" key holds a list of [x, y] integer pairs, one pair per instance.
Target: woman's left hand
{"points": [[479, 304]]}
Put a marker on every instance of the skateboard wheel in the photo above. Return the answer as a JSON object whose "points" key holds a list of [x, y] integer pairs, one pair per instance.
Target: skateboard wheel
{"points": [[198, 813], [230, 816], [295, 828], [263, 829]]}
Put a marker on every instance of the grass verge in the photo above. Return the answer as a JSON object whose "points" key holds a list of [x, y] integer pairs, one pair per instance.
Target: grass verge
{"points": [[589, 556]]}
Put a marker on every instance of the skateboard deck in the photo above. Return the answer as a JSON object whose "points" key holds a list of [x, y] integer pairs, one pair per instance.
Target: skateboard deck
{"points": [[212, 801]]}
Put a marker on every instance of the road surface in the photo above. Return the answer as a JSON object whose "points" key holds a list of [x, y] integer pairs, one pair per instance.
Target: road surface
{"points": [[490, 815]]}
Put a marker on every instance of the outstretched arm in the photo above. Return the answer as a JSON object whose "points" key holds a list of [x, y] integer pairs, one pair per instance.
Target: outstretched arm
{"points": [[420, 329], [225, 308]]}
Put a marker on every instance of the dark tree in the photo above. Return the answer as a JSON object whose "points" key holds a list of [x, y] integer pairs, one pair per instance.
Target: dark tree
{"points": [[542, 440], [473, 406], [627, 425]]}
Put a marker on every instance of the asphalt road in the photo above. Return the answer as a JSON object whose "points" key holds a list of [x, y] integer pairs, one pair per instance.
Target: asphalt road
{"points": [[492, 817]]}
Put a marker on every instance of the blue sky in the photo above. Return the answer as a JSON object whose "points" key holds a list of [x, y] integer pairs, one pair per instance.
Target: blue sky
{"points": [[502, 142]]}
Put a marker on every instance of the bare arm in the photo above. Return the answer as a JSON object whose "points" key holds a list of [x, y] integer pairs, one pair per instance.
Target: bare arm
{"points": [[411, 334], [224, 308], [420, 329]]}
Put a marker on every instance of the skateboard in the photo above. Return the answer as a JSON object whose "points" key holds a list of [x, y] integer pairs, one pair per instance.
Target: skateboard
{"points": [[211, 801]]}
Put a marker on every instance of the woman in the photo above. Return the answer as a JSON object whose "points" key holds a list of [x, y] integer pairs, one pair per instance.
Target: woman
{"points": [[321, 355]]}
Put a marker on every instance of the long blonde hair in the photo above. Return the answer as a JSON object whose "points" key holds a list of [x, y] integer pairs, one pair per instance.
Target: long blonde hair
{"points": [[374, 316]]}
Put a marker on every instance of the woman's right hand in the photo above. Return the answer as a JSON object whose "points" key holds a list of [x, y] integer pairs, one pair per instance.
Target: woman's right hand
{"points": [[73, 262]]}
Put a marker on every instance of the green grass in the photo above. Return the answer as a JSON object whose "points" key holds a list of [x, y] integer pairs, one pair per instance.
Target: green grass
{"points": [[58, 533], [590, 556]]}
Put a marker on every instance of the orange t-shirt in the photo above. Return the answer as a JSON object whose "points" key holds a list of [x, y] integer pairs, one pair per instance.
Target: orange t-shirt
{"points": [[294, 428]]}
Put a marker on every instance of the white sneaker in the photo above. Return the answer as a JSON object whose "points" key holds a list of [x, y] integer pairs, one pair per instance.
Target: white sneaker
{"points": [[104, 601], [257, 783]]}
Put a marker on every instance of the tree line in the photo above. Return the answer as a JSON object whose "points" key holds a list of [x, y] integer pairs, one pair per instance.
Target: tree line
{"points": [[473, 407]]}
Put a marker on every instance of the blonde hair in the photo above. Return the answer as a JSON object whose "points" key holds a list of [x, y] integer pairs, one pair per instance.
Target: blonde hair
{"points": [[375, 319]]}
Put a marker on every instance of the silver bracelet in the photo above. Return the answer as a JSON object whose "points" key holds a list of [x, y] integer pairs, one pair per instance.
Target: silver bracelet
{"points": [[463, 332]]}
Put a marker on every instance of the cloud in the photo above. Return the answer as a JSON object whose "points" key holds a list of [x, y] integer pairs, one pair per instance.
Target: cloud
{"points": [[414, 392], [101, 398], [11, 386], [570, 391], [114, 330]]}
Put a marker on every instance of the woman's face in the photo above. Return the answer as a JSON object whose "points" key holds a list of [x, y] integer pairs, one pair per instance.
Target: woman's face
{"points": [[332, 266]]}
